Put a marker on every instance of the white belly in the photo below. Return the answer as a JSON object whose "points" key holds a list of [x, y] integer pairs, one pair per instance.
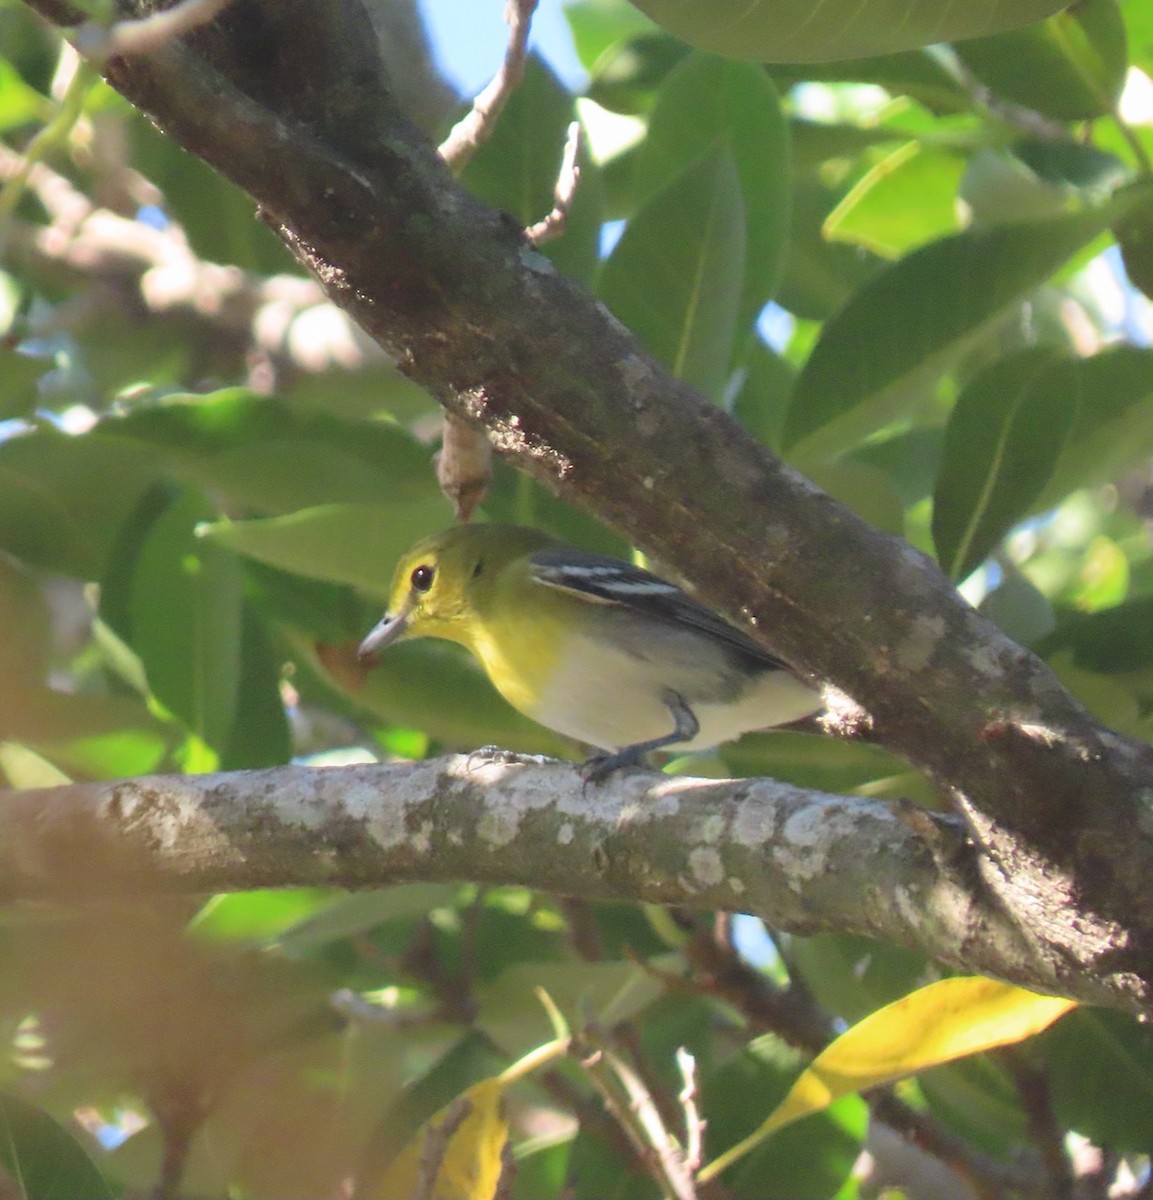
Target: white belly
{"points": [[608, 699]]}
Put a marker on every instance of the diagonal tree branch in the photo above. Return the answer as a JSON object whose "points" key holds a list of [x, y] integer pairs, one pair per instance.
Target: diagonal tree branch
{"points": [[1061, 806]]}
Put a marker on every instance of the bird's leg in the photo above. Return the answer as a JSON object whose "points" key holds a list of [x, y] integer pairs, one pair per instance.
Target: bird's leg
{"points": [[685, 728]]}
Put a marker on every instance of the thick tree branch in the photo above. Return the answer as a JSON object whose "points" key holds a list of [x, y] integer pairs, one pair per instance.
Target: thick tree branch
{"points": [[288, 100], [804, 861]]}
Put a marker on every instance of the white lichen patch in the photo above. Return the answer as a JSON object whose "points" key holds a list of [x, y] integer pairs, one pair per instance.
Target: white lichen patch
{"points": [[984, 659], [500, 823], [803, 847], [916, 651], [422, 838], [565, 835], [711, 829], [387, 827], [706, 866], [915, 574], [173, 814], [633, 369], [735, 885], [754, 824]]}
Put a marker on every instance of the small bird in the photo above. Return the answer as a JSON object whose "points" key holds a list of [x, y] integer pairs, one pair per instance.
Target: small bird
{"points": [[589, 646]]}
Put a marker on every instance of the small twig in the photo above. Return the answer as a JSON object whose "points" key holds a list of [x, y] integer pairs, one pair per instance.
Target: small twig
{"points": [[463, 465], [54, 134], [789, 1012], [694, 1124], [477, 125], [583, 931], [1044, 1129], [180, 1112], [144, 35], [553, 224], [625, 1096], [982, 1171]]}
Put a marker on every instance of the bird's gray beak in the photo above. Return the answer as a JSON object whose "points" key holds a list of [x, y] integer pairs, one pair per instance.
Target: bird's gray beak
{"points": [[386, 631]]}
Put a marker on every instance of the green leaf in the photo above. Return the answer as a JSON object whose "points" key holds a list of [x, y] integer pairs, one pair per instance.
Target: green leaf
{"points": [[1113, 432], [36, 527], [977, 1100], [357, 544], [218, 217], [820, 276], [510, 1013], [1116, 640], [19, 103], [799, 31], [516, 169], [1135, 237], [345, 915], [908, 198], [708, 101], [44, 1161], [47, 483], [599, 25], [877, 356], [1100, 1071], [923, 75], [1002, 444], [1071, 66], [864, 489], [19, 374], [762, 401], [27, 629], [627, 75], [257, 917], [1020, 608], [186, 612], [1037, 179], [260, 735], [808, 1162], [265, 455], [853, 975], [676, 276]]}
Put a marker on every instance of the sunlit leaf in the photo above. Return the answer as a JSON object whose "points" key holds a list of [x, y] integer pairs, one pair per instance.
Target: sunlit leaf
{"points": [[675, 277], [908, 198], [1002, 444], [1071, 66], [186, 621], [465, 1141], [707, 101], [934, 1025], [875, 358], [357, 544]]}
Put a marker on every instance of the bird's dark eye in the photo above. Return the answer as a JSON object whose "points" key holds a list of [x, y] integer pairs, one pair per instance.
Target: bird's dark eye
{"points": [[422, 577]]}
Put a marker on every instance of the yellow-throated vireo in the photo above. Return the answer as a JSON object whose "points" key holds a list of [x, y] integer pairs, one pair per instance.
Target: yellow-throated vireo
{"points": [[589, 646]]}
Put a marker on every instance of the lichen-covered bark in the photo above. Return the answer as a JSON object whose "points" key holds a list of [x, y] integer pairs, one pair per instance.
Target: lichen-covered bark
{"points": [[804, 861]]}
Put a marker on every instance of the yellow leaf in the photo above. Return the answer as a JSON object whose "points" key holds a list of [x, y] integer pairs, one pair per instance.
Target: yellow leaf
{"points": [[471, 1156], [930, 1026]]}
